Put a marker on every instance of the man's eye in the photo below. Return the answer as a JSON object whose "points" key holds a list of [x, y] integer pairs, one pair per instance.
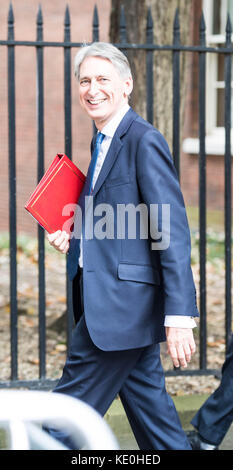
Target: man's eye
{"points": [[103, 79], [83, 82]]}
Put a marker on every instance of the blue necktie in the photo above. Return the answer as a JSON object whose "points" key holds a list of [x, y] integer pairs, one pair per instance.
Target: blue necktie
{"points": [[74, 249], [91, 169]]}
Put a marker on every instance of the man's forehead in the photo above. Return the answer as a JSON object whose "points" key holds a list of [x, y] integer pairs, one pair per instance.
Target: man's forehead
{"points": [[96, 65]]}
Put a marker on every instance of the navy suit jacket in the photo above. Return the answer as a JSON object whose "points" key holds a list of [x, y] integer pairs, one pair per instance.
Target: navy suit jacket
{"points": [[127, 286]]}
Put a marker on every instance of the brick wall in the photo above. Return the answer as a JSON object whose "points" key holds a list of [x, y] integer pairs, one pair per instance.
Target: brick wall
{"points": [[25, 12], [81, 12]]}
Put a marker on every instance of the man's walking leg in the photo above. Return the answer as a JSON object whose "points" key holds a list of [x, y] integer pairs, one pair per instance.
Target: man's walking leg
{"points": [[150, 410], [92, 375]]}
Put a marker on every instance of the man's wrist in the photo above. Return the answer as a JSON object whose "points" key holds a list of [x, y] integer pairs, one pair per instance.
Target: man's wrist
{"points": [[179, 321]]}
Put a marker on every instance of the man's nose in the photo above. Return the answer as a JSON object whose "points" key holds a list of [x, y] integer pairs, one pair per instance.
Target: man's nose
{"points": [[93, 87]]}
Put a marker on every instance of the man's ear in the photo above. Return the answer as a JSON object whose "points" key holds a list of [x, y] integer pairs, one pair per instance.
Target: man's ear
{"points": [[128, 85]]}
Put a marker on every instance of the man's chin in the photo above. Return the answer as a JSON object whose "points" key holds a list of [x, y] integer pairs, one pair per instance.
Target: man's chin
{"points": [[97, 117]]}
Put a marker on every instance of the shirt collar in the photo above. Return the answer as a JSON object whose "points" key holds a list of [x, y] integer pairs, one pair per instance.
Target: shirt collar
{"points": [[111, 126]]}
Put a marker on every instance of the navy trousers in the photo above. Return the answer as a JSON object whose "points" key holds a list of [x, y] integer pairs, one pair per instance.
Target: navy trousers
{"points": [[216, 415], [97, 377]]}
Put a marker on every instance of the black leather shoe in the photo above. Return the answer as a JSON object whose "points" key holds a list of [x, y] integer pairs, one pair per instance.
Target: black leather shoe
{"points": [[196, 442]]}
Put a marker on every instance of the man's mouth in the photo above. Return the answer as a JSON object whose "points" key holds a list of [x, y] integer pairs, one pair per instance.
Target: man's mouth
{"points": [[95, 102]]}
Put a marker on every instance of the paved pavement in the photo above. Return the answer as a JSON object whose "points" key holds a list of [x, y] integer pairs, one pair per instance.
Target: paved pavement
{"points": [[186, 406]]}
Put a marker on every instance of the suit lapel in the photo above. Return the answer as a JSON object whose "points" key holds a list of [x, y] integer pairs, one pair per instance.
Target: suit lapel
{"points": [[114, 148]]}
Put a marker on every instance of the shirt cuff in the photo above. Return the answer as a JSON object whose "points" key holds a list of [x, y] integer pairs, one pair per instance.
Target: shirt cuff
{"points": [[179, 321]]}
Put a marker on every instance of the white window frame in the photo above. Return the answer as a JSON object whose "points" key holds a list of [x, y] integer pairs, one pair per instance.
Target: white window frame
{"points": [[215, 136]]}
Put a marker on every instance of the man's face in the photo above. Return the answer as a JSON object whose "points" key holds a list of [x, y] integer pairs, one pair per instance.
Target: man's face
{"points": [[102, 91]]}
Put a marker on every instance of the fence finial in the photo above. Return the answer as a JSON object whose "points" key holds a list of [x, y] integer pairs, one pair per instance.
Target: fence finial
{"points": [[10, 23], [67, 25], [122, 24], [202, 30], [176, 28], [95, 25], [39, 19], [228, 25], [202, 27], [228, 30], [10, 14], [149, 26], [95, 17], [176, 24], [149, 23], [67, 16]]}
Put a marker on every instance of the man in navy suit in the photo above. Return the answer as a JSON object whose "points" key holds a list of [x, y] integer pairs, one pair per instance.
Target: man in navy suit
{"points": [[132, 283]]}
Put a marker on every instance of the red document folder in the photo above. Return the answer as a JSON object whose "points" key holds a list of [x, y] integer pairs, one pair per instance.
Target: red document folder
{"points": [[54, 200]]}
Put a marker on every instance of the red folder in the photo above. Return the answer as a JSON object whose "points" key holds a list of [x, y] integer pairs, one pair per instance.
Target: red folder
{"points": [[54, 200]]}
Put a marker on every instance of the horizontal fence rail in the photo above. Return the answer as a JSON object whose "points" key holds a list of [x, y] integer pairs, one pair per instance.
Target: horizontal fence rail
{"points": [[150, 47], [122, 46]]}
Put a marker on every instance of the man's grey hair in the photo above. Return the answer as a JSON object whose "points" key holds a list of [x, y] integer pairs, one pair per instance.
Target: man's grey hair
{"points": [[105, 51]]}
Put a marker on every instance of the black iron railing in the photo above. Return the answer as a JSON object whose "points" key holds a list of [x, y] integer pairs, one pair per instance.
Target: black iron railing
{"points": [[150, 47]]}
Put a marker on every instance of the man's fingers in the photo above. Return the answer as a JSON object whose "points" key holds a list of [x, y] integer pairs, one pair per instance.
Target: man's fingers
{"points": [[63, 244], [187, 352], [53, 236], [182, 356], [192, 346], [174, 356], [59, 240], [181, 345], [178, 356]]}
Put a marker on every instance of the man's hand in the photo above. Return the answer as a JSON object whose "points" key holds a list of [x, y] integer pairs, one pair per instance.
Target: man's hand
{"points": [[59, 240], [180, 344]]}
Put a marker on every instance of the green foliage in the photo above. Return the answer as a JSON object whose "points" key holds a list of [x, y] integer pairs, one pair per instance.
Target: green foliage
{"points": [[25, 243], [215, 246]]}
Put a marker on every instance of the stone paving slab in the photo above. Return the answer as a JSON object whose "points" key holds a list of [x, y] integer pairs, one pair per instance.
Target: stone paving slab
{"points": [[186, 406]]}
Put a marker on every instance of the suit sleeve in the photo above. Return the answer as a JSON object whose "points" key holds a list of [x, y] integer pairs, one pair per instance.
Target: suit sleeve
{"points": [[159, 186]]}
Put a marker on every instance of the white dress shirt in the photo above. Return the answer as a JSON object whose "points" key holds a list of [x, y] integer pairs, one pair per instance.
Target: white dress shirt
{"points": [[179, 321]]}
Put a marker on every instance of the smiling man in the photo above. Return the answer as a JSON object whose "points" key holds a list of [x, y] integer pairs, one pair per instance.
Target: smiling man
{"points": [[101, 91], [127, 297]]}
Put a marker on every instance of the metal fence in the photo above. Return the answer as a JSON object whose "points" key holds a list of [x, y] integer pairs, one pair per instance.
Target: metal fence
{"points": [[149, 47]]}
